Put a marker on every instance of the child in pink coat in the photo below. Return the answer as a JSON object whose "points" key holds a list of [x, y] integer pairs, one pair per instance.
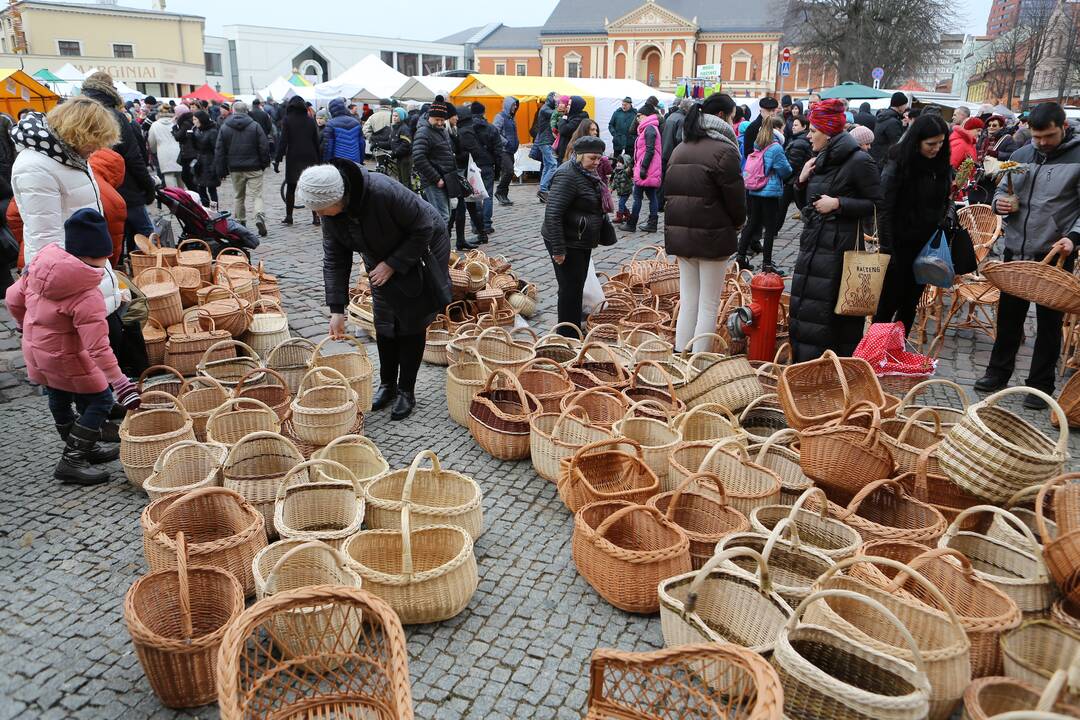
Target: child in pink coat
{"points": [[60, 310]]}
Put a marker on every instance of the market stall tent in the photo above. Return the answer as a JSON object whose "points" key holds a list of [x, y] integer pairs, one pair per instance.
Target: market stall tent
{"points": [[205, 93], [368, 80], [609, 94], [18, 90], [277, 90], [530, 92], [852, 91], [425, 88]]}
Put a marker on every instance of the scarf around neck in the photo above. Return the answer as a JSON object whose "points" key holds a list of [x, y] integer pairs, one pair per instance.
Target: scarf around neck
{"points": [[718, 129]]}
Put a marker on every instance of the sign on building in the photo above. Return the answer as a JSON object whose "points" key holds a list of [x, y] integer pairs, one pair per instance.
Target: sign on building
{"points": [[710, 72]]}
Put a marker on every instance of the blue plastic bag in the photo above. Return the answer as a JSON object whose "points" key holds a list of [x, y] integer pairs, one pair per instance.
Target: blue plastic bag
{"points": [[933, 265]]}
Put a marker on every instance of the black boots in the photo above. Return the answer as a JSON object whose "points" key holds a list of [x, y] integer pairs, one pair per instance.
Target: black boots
{"points": [[629, 226], [466, 245], [384, 396], [991, 382], [98, 453], [287, 221], [403, 406], [75, 466], [503, 200], [650, 227]]}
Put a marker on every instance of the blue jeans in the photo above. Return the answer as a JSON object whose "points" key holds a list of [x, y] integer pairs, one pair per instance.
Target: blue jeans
{"points": [[654, 207], [93, 408], [439, 200], [137, 223], [622, 203], [489, 185], [549, 164]]}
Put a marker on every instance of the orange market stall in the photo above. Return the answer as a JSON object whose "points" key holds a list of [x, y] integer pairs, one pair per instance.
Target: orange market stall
{"points": [[18, 90], [530, 92]]}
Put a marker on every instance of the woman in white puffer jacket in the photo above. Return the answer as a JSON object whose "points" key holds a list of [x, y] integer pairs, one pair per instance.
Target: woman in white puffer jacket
{"points": [[51, 177], [164, 147]]}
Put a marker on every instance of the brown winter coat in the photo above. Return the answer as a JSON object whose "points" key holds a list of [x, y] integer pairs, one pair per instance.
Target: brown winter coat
{"points": [[705, 200]]}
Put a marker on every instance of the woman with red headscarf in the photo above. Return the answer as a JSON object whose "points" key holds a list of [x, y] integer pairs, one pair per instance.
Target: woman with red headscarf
{"points": [[839, 187]]}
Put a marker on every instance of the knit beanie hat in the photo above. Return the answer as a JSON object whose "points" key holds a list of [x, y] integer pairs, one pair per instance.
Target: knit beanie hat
{"points": [[86, 234], [786, 101], [828, 116], [564, 99], [898, 99], [439, 108], [320, 186], [477, 108], [589, 144], [974, 124], [862, 134], [182, 110]]}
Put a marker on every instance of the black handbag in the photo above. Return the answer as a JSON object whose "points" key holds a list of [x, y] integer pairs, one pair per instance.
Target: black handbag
{"points": [[960, 243], [607, 236], [457, 186]]}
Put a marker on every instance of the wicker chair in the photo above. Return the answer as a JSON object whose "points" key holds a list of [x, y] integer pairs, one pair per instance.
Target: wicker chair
{"points": [[973, 300]]}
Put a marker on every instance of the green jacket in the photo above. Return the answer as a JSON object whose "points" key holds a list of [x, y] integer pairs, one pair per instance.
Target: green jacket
{"points": [[619, 126]]}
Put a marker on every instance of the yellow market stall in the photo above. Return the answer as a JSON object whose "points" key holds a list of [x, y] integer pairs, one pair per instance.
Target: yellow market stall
{"points": [[18, 90], [530, 92]]}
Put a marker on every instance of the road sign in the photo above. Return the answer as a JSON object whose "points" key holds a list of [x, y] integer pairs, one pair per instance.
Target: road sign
{"points": [[785, 54], [877, 73], [785, 68]]}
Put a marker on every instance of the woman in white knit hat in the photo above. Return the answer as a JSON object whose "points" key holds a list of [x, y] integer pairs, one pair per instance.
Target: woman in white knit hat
{"points": [[405, 247]]}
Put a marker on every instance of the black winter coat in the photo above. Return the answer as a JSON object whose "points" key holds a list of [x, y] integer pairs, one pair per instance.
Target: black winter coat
{"points": [[299, 141], [401, 140], [205, 141], [264, 121], [671, 135], [432, 154], [705, 200], [574, 212], [798, 151], [887, 132], [543, 135], [138, 187], [569, 124], [384, 222], [845, 172], [241, 146], [481, 140], [182, 131], [911, 209], [865, 118]]}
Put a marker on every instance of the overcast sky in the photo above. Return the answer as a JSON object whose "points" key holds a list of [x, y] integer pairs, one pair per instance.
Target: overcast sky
{"points": [[415, 19]]}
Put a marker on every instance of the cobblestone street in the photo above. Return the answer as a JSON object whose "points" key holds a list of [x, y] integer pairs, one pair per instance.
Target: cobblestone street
{"points": [[521, 648]]}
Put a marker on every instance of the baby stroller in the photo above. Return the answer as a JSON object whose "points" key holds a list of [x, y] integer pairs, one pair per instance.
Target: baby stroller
{"points": [[219, 231]]}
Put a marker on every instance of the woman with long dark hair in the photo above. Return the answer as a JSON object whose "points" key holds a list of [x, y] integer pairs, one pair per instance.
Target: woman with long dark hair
{"points": [[915, 187], [706, 204], [299, 146], [205, 138]]}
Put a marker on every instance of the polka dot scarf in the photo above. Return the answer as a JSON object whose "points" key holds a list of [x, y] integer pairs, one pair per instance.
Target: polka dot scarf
{"points": [[33, 133]]}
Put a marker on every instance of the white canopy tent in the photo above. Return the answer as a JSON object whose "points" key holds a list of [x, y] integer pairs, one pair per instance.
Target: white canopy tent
{"points": [[425, 88], [368, 80], [128, 93], [277, 90], [609, 95]]}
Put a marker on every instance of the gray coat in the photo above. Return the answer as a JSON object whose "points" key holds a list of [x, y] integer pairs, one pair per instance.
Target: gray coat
{"points": [[1049, 193]]}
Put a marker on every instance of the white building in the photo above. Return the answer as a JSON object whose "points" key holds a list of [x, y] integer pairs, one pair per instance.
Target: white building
{"points": [[974, 50], [245, 58]]}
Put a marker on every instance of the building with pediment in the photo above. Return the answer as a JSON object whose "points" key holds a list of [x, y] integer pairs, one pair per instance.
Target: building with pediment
{"points": [[654, 41]]}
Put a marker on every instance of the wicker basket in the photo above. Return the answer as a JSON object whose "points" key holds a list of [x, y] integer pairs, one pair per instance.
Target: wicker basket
{"points": [[148, 252], [184, 350], [936, 490], [362, 458], [427, 574], [499, 351], [160, 379], [604, 406], [942, 641], [255, 467], [1044, 283], [222, 529], [435, 496], [229, 311], [705, 520], [776, 455], [993, 453], [884, 511], [587, 371], [559, 349], [359, 640], [201, 396], [828, 675], [908, 438], [722, 604], [437, 338], [948, 416], [293, 564], [748, 485], [237, 418], [1067, 502], [241, 278], [729, 381], [1020, 574], [988, 697], [354, 365], [642, 388], [499, 417], [1034, 651], [267, 329], [844, 457], [815, 392], [291, 358], [463, 380], [310, 506], [545, 380], [321, 414], [1062, 554], [202, 259], [145, 434], [267, 386], [655, 436], [815, 530], [708, 421], [794, 567], [1068, 399], [230, 369], [762, 419], [606, 470], [155, 337], [162, 295], [699, 681], [554, 437], [624, 550], [176, 619], [185, 466]]}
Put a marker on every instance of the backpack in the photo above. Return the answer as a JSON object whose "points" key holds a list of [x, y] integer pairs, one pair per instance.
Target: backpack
{"points": [[754, 171]]}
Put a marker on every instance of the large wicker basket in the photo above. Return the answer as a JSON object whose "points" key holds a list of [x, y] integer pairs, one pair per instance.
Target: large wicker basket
{"points": [[291, 358], [554, 437], [311, 506], [705, 520], [843, 457], [354, 365], [499, 417], [816, 530], [145, 434], [326, 410], [185, 466], [1044, 283], [362, 457], [255, 468], [610, 469], [815, 392], [237, 418], [293, 564]]}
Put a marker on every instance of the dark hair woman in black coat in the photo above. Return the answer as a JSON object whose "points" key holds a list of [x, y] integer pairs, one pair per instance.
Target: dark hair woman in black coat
{"points": [[204, 139], [299, 145], [915, 187], [406, 250], [573, 221], [840, 189]]}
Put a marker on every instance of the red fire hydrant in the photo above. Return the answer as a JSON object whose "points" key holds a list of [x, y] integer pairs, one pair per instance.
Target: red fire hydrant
{"points": [[758, 321]]}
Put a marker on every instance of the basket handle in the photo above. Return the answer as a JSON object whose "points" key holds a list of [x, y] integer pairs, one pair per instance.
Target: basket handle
{"points": [[644, 345], [163, 459], [715, 336], [190, 497], [784, 351], [916, 654], [263, 435], [436, 468], [497, 330], [954, 527], [583, 353], [233, 251], [317, 352], [914, 418], [1063, 422], [576, 329], [230, 342], [648, 402], [778, 533], [623, 512], [755, 402], [294, 471], [718, 560], [658, 366], [924, 557], [198, 314], [526, 330], [237, 404], [806, 495], [1054, 253], [184, 591], [778, 436], [347, 439], [678, 493], [167, 370], [1022, 494], [406, 541], [157, 273], [566, 413], [302, 548], [575, 398], [262, 371], [190, 383], [286, 343], [867, 489], [544, 364], [613, 441], [268, 302], [655, 251], [1040, 501], [169, 402], [607, 327], [514, 385], [714, 408], [193, 241], [830, 355], [740, 452], [316, 370], [922, 464], [1052, 690]]}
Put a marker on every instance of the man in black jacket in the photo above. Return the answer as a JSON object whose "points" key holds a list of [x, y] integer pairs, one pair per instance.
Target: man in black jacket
{"points": [[243, 153], [544, 139], [433, 157], [889, 128], [485, 144], [767, 107], [798, 151], [264, 120], [138, 186], [864, 117]]}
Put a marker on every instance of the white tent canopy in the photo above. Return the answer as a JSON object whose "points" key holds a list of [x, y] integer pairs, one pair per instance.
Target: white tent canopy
{"points": [[70, 73], [609, 94], [425, 88], [370, 79], [305, 91], [128, 93], [277, 90]]}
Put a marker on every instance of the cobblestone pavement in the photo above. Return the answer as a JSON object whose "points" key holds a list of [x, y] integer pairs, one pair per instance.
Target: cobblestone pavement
{"points": [[520, 650]]}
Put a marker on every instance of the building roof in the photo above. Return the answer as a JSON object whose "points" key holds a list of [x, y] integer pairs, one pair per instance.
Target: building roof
{"points": [[576, 17], [98, 7], [460, 37], [512, 38]]}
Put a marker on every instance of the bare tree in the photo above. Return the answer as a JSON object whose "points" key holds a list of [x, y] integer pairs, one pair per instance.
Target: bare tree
{"points": [[1068, 72], [900, 36], [1006, 62], [1036, 27]]}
